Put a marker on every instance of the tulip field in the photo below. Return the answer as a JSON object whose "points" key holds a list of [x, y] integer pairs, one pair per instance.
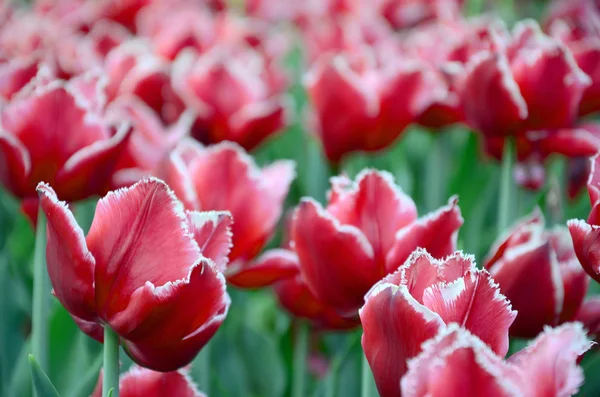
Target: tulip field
{"points": [[299, 198]]}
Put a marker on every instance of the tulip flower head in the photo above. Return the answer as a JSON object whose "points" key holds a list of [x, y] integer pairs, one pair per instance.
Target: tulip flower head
{"points": [[225, 177], [147, 269], [539, 273], [75, 150], [368, 229], [413, 304]]}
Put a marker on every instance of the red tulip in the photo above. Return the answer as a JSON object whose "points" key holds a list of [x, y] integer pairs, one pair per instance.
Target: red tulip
{"points": [[412, 305], [505, 91], [233, 93], [585, 234], [539, 273], [74, 149], [409, 13], [139, 271], [379, 102], [142, 382], [368, 229], [576, 23], [151, 141], [224, 177], [589, 315], [133, 69], [457, 363]]}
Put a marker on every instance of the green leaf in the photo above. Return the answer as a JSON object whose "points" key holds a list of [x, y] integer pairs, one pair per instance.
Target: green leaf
{"points": [[42, 385], [110, 392]]}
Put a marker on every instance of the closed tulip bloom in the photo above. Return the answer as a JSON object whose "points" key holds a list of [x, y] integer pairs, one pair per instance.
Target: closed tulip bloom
{"points": [[379, 101], [368, 229], [75, 149], [585, 234], [576, 23], [133, 69], [505, 90], [412, 305], [225, 177], [457, 363], [147, 269], [234, 92], [142, 382], [539, 273]]}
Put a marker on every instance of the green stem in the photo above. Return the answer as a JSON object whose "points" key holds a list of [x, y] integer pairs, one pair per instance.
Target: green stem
{"points": [[111, 363], [434, 185], [41, 294], [367, 384], [506, 184], [204, 366], [300, 355]]}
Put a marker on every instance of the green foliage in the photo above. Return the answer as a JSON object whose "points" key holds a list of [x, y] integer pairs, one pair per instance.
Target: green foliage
{"points": [[42, 385]]}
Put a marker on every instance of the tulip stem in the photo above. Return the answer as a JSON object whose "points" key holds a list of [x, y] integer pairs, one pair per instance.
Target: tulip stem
{"points": [[41, 292], [505, 186], [111, 363], [434, 187], [300, 356], [367, 384], [204, 367]]}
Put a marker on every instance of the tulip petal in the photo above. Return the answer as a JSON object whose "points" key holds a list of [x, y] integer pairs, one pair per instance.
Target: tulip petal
{"points": [[529, 276], [389, 318], [550, 361], [70, 263], [272, 266], [212, 232], [456, 363], [187, 319], [586, 241], [142, 382], [15, 163], [593, 183], [256, 121], [376, 206], [489, 81], [295, 297], [437, 233], [89, 169], [336, 260], [139, 235], [589, 314], [476, 304]]}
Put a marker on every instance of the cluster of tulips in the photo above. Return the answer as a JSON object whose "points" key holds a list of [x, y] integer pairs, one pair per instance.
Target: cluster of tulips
{"points": [[164, 108]]}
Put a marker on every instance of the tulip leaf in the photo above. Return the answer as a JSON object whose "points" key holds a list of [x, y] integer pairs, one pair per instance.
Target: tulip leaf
{"points": [[110, 392], [42, 385]]}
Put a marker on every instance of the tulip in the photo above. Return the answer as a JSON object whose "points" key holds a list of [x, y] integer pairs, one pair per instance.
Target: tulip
{"points": [[539, 273], [146, 269], [589, 315], [74, 149], [141, 382], [413, 304], [368, 229], [585, 234], [15, 73], [379, 102], [458, 363], [133, 69], [505, 90], [233, 93], [225, 177], [409, 13], [575, 24]]}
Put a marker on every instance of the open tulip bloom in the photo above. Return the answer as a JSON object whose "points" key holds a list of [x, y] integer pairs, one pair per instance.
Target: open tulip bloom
{"points": [[147, 269]]}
